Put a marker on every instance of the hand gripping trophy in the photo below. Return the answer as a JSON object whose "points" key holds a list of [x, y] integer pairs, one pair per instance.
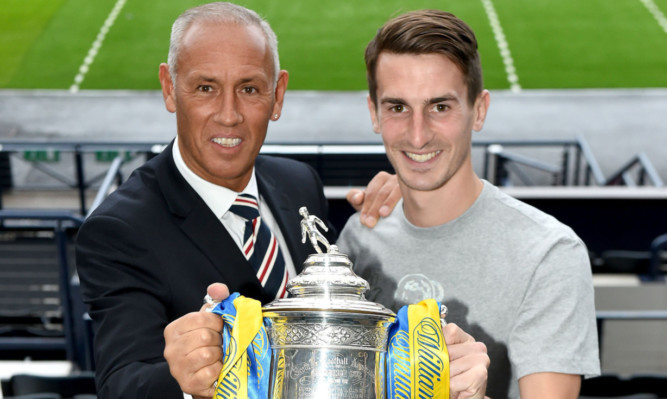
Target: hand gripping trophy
{"points": [[308, 227]]}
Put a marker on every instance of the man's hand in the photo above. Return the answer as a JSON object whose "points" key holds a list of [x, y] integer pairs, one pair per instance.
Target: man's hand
{"points": [[378, 200], [193, 347], [468, 364]]}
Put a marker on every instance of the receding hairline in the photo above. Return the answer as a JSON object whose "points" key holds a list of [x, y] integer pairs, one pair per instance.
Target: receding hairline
{"points": [[221, 13], [206, 24]]}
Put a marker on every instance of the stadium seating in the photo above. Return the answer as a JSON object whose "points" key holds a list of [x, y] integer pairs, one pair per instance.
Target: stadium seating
{"points": [[67, 331], [37, 265], [24, 386]]}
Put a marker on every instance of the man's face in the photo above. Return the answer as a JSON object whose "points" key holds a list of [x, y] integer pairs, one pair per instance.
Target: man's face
{"points": [[425, 119], [225, 95]]}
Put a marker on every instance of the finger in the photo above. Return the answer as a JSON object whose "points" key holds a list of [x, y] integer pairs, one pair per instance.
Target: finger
{"points": [[200, 381], [469, 384], [204, 357], [378, 189], [191, 322], [195, 359], [391, 200], [355, 198], [457, 351], [471, 358], [455, 335], [179, 347]]}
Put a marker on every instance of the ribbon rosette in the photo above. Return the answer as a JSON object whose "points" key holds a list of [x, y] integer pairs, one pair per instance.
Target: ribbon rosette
{"points": [[417, 358], [246, 350]]}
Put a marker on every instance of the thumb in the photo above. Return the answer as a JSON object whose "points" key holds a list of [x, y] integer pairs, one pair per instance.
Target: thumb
{"points": [[218, 291]]}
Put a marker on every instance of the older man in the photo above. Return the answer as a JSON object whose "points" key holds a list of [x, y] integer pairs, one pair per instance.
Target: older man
{"points": [[147, 254]]}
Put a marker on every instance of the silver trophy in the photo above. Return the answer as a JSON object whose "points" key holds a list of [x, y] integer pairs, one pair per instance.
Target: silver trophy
{"points": [[327, 340]]}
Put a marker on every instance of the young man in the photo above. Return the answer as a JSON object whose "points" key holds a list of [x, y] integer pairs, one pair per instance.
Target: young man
{"points": [[512, 276]]}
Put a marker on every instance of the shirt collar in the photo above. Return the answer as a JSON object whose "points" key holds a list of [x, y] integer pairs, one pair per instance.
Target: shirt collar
{"points": [[218, 198]]}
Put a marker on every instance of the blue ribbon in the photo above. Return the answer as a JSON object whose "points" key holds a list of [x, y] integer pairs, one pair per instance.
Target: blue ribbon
{"points": [[258, 352]]}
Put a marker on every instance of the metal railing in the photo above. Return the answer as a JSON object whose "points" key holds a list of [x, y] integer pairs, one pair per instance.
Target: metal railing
{"points": [[644, 169], [113, 175], [503, 163], [43, 153], [577, 166], [58, 222]]}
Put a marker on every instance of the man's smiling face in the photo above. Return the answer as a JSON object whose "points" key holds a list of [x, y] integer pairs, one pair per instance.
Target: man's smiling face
{"points": [[225, 95], [425, 118]]}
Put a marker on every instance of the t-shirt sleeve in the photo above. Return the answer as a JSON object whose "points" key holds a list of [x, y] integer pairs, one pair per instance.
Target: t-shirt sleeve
{"points": [[555, 329]]}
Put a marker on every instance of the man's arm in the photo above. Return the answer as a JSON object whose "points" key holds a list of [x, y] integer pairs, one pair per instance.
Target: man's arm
{"points": [[558, 320], [550, 385], [377, 200], [128, 320]]}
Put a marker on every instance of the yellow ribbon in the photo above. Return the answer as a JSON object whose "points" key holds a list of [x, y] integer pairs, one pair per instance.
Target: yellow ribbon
{"points": [[428, 352], [233, 379]]}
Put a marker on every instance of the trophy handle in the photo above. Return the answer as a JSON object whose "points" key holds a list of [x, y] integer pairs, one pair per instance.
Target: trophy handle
{"points": [[443, 314]]}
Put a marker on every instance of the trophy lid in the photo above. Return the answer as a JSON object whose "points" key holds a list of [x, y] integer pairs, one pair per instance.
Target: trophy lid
{"points": [[327, 282]]}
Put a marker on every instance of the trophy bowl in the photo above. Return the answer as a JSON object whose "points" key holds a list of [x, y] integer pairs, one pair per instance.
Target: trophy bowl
{"points": [[327, 340]]}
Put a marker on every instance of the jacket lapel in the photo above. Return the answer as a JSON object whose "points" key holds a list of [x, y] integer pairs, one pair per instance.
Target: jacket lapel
{"points": [[205, 231], [284, 211]]}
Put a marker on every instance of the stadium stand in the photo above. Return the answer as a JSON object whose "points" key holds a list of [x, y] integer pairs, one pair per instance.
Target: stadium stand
{"points": [[26, 386], [43, 314], [37, 265]]}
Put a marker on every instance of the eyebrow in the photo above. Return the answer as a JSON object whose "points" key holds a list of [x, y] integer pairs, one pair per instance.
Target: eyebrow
{"points": [[435, 100], [441, 99], [392, 100]]}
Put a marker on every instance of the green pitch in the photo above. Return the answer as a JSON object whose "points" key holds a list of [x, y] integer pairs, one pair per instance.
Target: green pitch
{"points": [[554, 44]]}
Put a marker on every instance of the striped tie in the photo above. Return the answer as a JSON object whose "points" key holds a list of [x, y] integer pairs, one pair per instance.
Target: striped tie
{"points": [[261, 247]]}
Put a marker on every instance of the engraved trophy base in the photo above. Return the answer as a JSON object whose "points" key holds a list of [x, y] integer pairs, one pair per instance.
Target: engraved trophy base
{"points": [[327, 354], [327, 340], [326, 373]]}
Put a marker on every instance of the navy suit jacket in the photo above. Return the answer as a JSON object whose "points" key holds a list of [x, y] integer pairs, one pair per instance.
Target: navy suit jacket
{"points": [[147, 254]]}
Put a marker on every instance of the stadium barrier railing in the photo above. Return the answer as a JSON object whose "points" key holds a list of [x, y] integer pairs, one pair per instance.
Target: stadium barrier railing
{"points": [[346, 164], [29, 225]]}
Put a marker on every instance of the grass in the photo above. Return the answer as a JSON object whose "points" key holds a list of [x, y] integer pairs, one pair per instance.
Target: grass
{"points": [[564, 44], [21, 24], [592, 43]]}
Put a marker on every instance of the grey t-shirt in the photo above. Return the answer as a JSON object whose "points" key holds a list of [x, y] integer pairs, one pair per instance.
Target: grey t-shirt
{"points": [[512, 276]]}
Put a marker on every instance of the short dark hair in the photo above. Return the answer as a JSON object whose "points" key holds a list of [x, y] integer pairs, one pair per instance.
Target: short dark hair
{"points": [[427, 32]]}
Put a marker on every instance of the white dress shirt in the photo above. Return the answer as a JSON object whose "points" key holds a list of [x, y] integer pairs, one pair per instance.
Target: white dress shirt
{"points": [[219, 199]]}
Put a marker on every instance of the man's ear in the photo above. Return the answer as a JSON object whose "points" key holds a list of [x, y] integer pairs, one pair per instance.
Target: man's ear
{"points": [[481, 107], [281, 88], [374, 116], [167, 83]]}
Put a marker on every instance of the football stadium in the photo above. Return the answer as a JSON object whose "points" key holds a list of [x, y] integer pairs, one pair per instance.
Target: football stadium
{"points": [[575, 128]]}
